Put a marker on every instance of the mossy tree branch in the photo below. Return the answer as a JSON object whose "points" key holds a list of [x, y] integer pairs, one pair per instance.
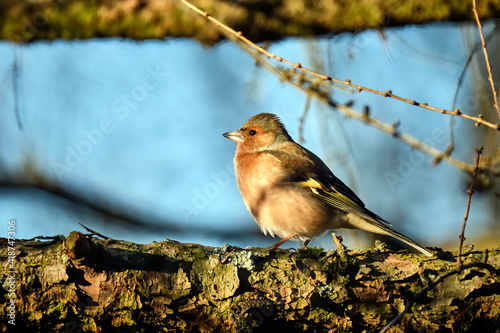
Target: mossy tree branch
{"points": [[82, 284], [30, 20]]}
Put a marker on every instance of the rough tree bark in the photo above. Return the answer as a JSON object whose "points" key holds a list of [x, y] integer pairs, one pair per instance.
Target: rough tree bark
{"points": [[85, 284], [29, 20]]}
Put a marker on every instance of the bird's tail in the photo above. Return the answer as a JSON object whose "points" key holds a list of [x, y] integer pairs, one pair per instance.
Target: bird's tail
{"points": [[404, 239], [377, 227]]}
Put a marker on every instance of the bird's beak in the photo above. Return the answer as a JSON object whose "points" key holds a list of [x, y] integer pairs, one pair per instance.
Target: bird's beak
{"points": [[234, 136]]}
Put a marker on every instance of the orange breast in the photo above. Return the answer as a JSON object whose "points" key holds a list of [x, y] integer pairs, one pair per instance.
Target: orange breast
{"points": [[278, 208]]}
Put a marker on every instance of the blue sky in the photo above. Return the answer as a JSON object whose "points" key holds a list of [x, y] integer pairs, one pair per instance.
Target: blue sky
{"points": [[138, 126]]}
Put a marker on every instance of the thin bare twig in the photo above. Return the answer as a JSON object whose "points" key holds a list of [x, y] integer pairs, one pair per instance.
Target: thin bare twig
{"points": [[338, 242], [16, 86], [473, 51], [486, 58], [391, 129], [347, 82], [93, 232], [302, 120], [364, 117], [466, 216], [228, 255], [408, 139]]}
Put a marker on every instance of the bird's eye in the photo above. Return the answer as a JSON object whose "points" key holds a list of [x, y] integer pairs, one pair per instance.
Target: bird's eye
{"points": [[252, 132]]}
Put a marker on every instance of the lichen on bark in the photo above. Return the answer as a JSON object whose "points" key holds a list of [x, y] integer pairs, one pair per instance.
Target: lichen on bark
{"points": [[108, 285]]}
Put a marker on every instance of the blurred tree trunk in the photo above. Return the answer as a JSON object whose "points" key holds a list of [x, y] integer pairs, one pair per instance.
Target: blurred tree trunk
{"points": [[25, 21], [89, 285]]}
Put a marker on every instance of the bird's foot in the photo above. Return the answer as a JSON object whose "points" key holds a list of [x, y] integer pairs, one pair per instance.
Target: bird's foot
{"points": [[275, 248]]}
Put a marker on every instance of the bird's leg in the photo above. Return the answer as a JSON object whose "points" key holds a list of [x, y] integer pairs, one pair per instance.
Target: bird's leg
{"points": [[275, 246], [305, 243]]}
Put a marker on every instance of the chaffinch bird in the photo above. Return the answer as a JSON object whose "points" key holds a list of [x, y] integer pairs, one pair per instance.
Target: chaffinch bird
{"points": [[290, 192]]}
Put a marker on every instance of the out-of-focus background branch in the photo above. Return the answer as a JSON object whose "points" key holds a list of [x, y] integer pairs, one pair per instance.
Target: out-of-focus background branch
{"points": [[260, 20]]}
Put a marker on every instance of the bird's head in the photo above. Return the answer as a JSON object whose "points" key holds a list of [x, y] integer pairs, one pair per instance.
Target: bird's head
{"points": [[260, 132]]}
